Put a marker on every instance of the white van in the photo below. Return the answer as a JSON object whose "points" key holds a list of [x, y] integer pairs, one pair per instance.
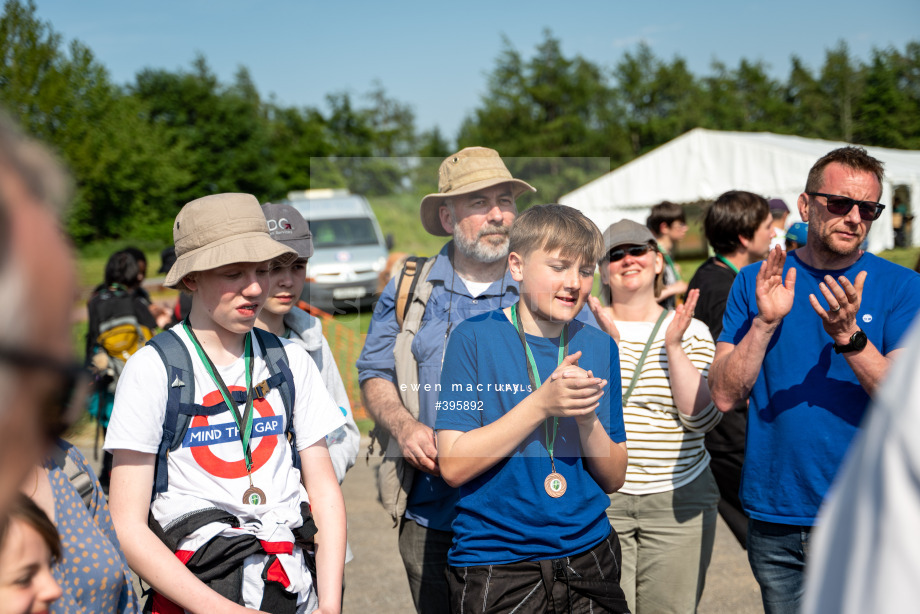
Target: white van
{"points": [[349, 250]]}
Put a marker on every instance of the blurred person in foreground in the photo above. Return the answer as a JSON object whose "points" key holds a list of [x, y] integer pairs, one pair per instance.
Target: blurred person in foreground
{"points": [[808, 336], [737, 227], [864, 556], [37, 282]]}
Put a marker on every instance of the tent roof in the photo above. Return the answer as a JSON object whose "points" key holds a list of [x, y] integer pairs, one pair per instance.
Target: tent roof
{"points": [[702, 164]]}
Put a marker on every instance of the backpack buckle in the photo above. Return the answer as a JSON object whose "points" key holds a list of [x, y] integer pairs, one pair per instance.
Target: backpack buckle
{"points": [[261, 389]]}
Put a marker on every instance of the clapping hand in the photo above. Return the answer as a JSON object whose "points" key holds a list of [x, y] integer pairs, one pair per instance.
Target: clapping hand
{"points": [[774, 296], [843, 302], [604, 317], [683, 314], [571, 391]]}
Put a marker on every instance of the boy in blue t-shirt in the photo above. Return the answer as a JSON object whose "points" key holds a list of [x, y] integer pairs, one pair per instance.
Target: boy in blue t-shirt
{"points": [[534, 464]]}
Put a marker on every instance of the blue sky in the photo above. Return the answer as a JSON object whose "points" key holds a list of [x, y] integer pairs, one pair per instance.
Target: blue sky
{"points": [[435, 55]]}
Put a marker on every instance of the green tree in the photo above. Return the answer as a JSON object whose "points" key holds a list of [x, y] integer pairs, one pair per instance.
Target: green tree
{"points": [[549, 117], [888, 105], [809, 110], [367, 142], [661, 101], [299, 143], [842, 84], [125, 171], [223, 128]]}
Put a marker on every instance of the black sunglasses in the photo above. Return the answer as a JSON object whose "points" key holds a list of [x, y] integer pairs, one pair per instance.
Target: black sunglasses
{"points": [[842, 205], [636, 251], [64, 404]]}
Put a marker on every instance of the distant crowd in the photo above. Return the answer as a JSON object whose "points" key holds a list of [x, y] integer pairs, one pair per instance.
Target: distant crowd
{"points": [[775, 387]]}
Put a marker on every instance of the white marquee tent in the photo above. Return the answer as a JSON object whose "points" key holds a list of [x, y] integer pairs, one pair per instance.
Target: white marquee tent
{"points": [[702, 164]]}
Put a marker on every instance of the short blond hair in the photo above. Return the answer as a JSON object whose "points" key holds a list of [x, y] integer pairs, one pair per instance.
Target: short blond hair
{"points": [[556, 227]]}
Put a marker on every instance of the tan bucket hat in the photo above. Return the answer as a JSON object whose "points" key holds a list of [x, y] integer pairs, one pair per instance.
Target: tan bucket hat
{"points": [[468, 170], [221, 229]]}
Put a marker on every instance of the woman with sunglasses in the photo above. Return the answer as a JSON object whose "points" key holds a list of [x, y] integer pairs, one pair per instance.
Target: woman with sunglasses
{"points": [[665, 514]]}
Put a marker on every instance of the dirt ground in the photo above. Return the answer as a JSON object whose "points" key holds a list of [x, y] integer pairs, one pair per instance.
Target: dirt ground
{"points": [[376, 581]]}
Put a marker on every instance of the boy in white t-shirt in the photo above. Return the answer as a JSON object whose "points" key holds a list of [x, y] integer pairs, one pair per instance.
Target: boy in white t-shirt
{"points": [[228, 500]]}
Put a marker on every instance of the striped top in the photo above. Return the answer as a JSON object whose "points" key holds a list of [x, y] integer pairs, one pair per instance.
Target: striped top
{"points": [[665, 446]]}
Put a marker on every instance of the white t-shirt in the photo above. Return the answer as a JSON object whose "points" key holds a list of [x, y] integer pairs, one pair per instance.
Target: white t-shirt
{"points": [[476, 288], [665, 447], [208, 469]]}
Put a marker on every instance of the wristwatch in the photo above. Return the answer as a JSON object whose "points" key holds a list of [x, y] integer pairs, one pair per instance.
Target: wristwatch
{"points": [[858, 341]]}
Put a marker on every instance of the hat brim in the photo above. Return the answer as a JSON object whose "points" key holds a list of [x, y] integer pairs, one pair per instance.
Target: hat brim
{"points": [[431, 204], [303, 247], [245, 247]]}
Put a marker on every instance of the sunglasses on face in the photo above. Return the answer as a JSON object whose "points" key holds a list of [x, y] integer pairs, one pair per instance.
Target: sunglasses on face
{"points": [[62, 404], [842, 205], [636, 251]]}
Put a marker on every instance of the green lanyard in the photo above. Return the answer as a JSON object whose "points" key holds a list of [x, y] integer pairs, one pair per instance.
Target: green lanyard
{"points": [[244, 422], [670, 262], [726, 262], [534, 374]]}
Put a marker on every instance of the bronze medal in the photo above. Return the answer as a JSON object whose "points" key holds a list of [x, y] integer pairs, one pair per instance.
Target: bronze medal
{"points": [[255, 496], [554, 485]]}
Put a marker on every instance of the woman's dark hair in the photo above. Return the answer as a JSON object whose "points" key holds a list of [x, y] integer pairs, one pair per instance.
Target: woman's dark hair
{"points": [[735, 213], [24, 509], [122, 269], [139, 256]]}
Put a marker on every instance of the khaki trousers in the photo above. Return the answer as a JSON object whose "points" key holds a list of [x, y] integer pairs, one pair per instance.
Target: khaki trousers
{"points": [[666, 541]]}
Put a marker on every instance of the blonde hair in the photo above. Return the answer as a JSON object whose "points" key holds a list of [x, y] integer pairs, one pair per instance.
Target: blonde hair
{"points": [[556, 227]]}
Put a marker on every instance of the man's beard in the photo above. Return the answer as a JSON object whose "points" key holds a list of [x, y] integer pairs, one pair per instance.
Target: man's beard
{"points": [[822, 243], [486, 252]]}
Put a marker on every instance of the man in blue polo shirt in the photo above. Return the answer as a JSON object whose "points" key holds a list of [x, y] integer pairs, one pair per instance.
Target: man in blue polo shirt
{"points": [[807, 337]]}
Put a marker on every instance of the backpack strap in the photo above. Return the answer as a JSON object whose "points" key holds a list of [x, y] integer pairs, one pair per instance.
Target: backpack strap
{"points": [[78, 475], [180, 401], [282, 379], [405, 286], [180, 381], [406, 365]]}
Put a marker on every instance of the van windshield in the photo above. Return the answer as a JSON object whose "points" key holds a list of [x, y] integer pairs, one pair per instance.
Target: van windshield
{"points": [[343, 232]]}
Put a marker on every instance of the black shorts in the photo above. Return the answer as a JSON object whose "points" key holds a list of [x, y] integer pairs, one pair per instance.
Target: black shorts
{"points": [[584, 582]]}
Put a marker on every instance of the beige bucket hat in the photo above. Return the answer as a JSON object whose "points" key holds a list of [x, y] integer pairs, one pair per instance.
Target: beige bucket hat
{"points": [[221, 229], [468, 170]]}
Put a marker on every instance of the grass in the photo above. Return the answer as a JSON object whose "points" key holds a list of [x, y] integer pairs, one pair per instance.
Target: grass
{"points": [[398, 215], [91, 259]]}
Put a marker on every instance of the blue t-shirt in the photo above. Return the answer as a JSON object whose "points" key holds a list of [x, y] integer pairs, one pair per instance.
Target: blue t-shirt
{"points": [[505, 515], [431, 501], [807, 404]]}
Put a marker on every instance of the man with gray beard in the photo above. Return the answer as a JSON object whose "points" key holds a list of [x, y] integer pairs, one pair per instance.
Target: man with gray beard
{"points": [[475, 205]]}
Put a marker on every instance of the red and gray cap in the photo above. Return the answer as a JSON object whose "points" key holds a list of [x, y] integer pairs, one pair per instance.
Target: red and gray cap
{"points": [[287, 226]]}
